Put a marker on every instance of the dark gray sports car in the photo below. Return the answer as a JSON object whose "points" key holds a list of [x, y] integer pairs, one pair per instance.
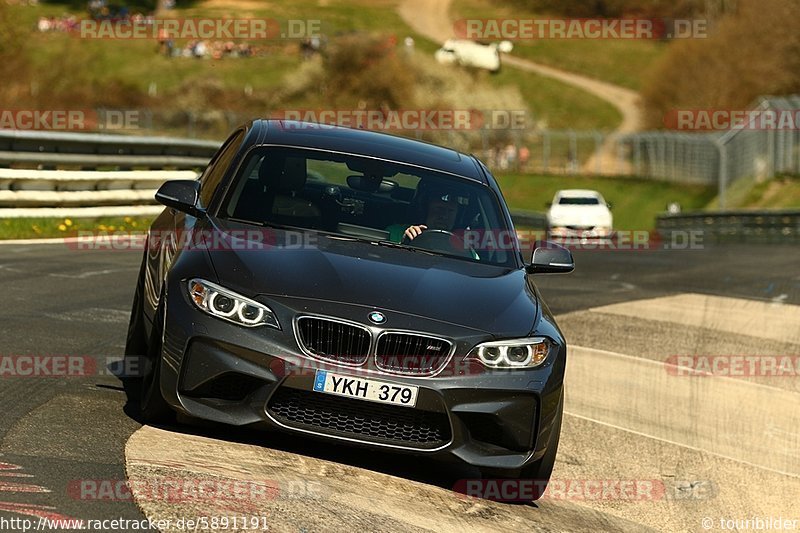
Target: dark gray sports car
{"points": [[351, 286]]}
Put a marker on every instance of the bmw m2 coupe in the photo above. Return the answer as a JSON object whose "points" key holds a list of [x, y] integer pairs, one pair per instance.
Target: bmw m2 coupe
{"points": [[356, 287]]}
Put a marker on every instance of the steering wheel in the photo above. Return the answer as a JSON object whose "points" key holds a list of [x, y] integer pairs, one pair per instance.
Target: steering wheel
{"points": [[439, 240]]}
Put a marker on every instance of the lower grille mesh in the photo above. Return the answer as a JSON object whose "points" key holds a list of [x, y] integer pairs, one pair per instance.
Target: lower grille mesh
{"points": [[362, 420]]}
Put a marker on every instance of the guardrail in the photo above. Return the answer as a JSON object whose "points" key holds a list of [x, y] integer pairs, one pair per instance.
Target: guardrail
{"points": [[529, 219], [51, 150], [734, 226], [89, 192], [56, 193]]}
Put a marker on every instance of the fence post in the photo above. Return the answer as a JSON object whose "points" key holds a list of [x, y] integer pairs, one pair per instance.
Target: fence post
{"points": [[620, 156], [598, 143], [723, 173], [545, 151], [770, 153], [573, 152]]}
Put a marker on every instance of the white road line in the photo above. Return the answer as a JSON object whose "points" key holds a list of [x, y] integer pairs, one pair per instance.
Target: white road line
{"points": [[681, 444], [92, 315], [55, 240], [91, 273], [678, 369], [732, 315], [734, 418]]}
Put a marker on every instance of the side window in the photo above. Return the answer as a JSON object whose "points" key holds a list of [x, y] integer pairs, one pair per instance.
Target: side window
{"points": [[216, 169]]}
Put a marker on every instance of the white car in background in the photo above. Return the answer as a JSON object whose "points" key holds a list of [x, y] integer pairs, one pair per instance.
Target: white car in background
{"points": [[579, 213], [471, 54]]}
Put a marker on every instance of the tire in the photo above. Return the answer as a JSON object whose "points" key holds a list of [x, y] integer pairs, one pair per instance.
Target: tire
{"points": [[541, 470], [153, 408], [136, 344]]}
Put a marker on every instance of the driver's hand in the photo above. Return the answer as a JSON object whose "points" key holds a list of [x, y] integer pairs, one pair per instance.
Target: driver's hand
{"points": [[414, 231]]}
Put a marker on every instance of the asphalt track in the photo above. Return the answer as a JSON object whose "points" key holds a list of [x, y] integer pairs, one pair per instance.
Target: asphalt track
{"points": [[693, 448]]}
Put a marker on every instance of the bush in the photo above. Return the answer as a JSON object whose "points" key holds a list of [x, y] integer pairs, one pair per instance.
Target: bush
{"points": [[753, 52], [366, 69], [13, 64]]}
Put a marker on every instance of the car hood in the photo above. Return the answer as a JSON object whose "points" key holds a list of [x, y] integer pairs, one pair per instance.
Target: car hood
{"points": [[497, 300]]}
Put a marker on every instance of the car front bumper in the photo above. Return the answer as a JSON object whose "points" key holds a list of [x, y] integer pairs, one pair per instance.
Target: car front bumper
{"points": [[576, 232], [491, 419]]}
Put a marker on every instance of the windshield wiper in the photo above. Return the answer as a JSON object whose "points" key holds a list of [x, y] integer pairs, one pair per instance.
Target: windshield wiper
{"points": [[262, 223], [391, 244]]}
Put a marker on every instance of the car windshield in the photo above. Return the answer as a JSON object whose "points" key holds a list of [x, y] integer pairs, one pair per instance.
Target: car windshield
{"points": [[370, 199], [578, 200]]}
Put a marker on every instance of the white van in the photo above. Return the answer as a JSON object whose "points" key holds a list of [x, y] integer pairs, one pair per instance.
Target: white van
{"points": [[471, 54]]}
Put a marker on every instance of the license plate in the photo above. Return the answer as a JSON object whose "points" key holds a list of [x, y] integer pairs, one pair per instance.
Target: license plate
{"points": [[372, 390]]}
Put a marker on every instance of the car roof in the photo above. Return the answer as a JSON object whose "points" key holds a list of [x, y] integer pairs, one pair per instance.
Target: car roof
{"points": [[578, 193], [367, 143]]}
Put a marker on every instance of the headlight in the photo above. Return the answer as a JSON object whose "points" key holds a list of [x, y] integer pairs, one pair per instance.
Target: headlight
{"points": [[516, 353], [227, 305]]}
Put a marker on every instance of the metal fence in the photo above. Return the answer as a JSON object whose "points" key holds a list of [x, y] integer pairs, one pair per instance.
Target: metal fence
{"points": [[721, 158], [671, 156], [718, 158]]}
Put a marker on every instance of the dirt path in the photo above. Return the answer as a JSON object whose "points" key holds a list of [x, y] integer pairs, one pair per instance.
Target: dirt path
{"points": [[431, 18]]}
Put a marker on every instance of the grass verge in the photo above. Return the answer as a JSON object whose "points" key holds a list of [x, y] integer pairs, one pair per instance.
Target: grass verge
{"points": [[780, 192], [44, 228]]}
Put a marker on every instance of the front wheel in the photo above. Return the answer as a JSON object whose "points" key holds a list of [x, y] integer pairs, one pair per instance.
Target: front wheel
{"points": [[135, 343], [152, 405]]}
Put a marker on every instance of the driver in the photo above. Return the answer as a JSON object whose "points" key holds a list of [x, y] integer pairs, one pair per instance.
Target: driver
{"points": [[435, 205], [440, 209], [441, 213]]}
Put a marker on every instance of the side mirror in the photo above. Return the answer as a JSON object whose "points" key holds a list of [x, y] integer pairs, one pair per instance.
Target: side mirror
{"points": [[550, 258], [505, 46], [548, 204], [181, 195], [608, 205]]}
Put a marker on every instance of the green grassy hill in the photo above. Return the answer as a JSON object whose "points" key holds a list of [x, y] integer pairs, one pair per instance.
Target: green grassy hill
{"points": [[69, 72]]}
